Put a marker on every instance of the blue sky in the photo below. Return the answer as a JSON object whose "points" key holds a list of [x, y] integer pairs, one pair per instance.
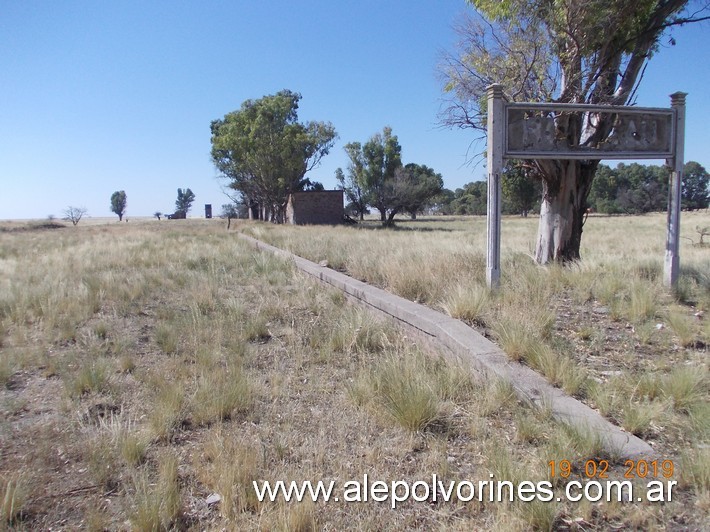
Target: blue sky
{"points": [[104, 96]]}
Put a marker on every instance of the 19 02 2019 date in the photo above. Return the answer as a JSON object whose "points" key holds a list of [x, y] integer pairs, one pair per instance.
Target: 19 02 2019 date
{"points": [[600, 468]]}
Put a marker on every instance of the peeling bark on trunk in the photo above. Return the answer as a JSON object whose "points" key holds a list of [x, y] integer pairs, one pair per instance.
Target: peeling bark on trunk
{"points": [[564, 199]]}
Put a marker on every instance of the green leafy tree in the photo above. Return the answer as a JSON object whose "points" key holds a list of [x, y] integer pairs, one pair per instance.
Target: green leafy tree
{"points": [[118, 203], [312, 186], [471, 199], [642, 188], [417, 186], [604, 191], [441, 203], [569, 52], [265, 152], [521, 191], [183, 203], [695, 192], [372, 167]]}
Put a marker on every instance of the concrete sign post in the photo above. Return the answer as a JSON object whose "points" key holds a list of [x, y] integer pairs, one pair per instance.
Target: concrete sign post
{"points": [[671, 266], [496, 127], [529, 131]]}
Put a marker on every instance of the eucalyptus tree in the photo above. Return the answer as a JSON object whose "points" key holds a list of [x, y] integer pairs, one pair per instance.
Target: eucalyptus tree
{"points": [[372, 169], [568, 51], [265, 152]]}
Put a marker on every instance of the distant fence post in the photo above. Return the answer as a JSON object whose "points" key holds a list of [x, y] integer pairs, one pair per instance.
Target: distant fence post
{"points": [[496, 126], [671, 267]]}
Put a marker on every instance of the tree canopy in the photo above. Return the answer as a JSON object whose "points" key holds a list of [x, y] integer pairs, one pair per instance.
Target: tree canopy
{"points": [[376, 177], [568, 52], [265, 151], [635, 188], [695, 193], [521, 193], [118, 203], [183, 203]]}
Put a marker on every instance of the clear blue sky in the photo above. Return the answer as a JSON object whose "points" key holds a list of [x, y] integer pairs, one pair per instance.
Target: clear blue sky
{"points": [[103, 96]]}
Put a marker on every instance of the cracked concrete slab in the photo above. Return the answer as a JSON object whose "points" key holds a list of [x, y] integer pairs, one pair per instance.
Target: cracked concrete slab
{"points": [[462, 343]]}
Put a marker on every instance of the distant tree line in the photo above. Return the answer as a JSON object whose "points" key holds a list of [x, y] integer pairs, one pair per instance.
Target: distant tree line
{"points": [[635, 188], [626, 189]]}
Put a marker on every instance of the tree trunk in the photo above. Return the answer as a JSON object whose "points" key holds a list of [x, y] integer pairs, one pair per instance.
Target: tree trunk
{"points": [[564, 198], [253, 210], [389, 221]]}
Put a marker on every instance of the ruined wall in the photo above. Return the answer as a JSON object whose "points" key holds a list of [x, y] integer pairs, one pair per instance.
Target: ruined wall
{"points": [[315, 207]]}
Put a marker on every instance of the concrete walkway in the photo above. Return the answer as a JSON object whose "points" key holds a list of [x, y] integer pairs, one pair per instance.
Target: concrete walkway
{"points": [[459, 341]]}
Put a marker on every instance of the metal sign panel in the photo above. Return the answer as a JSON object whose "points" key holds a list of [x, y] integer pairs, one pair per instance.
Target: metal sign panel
{"points": [[532, 131]]}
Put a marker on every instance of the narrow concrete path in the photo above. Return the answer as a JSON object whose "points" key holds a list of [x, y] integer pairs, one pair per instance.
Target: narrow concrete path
{"points": [[454, 337]]}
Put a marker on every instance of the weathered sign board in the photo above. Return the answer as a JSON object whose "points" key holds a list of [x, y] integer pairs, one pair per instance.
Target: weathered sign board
{"points": [[532, 131]]}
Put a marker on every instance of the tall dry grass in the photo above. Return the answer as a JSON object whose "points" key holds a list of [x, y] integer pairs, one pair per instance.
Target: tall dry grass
{"points": [[220, 365]]}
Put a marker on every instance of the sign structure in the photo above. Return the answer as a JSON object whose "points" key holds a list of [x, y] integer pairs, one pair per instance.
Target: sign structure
{"points": [[531, 131]]}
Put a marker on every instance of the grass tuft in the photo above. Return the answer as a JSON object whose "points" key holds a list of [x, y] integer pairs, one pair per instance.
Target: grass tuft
{"points": [[157, 504], [219, 395], [686, 387], [91, 377], [14, 495], [469, 303]]}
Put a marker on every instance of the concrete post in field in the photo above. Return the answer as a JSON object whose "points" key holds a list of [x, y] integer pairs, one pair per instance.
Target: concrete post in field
{"points": [[671, 267], [496, 124]]}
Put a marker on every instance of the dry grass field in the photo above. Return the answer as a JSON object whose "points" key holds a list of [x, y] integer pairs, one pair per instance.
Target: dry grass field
{"points": [[146, 367]]}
